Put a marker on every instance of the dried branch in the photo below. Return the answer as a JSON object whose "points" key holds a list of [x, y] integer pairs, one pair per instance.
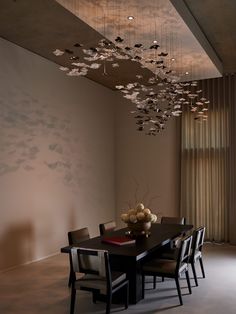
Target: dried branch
{"points": [[136, 191], [146, 195], [151, 199]]}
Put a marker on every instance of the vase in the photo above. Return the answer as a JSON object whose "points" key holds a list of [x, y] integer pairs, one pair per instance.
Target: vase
{"points": [[139, 228]]}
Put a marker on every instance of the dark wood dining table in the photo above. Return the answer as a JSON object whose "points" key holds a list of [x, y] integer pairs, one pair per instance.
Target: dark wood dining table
{"points": [[129, 258]]}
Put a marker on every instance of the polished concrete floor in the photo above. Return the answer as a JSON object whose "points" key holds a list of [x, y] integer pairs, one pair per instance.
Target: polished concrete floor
{"points": [[42, 288]]}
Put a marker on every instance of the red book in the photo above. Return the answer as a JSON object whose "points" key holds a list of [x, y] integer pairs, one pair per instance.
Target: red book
{"points": [[118, 240]]}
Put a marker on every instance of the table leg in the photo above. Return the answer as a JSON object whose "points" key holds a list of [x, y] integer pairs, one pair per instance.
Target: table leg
{"points": [[133, 270]]}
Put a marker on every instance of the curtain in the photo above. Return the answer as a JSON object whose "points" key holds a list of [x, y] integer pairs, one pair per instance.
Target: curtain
{"points": [[208, 194]]}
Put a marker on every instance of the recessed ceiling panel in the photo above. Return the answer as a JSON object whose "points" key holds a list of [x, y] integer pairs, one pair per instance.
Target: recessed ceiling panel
{"points": [[147, 21], [43, 26]]}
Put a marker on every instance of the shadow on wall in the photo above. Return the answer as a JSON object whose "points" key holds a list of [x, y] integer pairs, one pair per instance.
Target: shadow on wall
{"points": [[16, 245]]}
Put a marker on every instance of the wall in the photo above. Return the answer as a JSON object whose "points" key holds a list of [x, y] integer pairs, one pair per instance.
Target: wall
{"points": [[56, 156], [147, 168], [62, 164]]}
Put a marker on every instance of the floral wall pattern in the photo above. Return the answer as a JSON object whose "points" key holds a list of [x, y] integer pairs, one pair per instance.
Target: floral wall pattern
{"points": [[56, 147]]}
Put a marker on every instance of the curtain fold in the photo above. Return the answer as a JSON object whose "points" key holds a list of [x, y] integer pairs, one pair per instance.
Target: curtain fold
{"points": [[208, 157]]}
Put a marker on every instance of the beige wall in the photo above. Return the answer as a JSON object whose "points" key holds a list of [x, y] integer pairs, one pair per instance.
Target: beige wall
{"points": [[147, 168], [66, 162], [56, 156]]}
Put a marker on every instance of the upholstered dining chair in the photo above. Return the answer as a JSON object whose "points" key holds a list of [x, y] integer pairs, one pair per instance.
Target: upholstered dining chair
{"points": [[76, 237], [97, 276], [169, 249], [173, 220], [196, 254], [171, 268], [107, 227]]}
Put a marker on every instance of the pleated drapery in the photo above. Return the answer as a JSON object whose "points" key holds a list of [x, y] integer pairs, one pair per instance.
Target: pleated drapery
{"points": [[208, 195]]}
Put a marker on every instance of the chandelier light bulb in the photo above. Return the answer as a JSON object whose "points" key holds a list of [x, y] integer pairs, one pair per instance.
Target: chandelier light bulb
{"points": [[130, 17]]}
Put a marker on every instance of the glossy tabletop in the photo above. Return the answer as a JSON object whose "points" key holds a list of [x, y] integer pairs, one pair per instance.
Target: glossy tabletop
{"points": [[160, 235]]}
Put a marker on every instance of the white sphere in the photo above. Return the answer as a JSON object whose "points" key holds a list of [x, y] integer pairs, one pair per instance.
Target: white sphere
{"points": [[125, 217], [154, 218], [147, 211], [132, 212], [140, 207], [133, 218], [148, 217], [140, 216]]}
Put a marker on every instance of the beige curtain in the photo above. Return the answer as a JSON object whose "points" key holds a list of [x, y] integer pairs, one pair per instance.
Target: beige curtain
{"points": [[207, 162]]}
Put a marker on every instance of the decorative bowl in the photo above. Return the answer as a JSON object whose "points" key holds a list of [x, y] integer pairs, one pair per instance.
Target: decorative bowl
{"points": [[139, 220], [139, 228]]}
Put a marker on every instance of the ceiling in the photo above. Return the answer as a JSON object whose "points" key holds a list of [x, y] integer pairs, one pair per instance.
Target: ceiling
{"points": [[43, 26], [153, 20], [217, 19], [198, 38]]}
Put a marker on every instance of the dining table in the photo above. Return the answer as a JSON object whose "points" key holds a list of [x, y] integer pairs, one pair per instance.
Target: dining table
{"points": [[129, 258]]}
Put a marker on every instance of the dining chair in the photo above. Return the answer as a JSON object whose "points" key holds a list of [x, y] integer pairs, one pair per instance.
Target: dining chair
{"points": [[169, 249], [76, 237], [196, 254], [97, 276], [107, 227], [173, 220], [171, 268]]}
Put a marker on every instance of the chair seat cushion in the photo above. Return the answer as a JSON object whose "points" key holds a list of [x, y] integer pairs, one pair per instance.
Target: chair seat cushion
{"points": [[97, 282], [163, 266], [169, 254]]}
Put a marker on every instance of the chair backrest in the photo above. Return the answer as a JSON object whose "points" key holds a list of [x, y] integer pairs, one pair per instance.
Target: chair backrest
{"points": [[107, 227], [91, 261], [78, 236], [184, 251], [198, 239], [173, 220]]}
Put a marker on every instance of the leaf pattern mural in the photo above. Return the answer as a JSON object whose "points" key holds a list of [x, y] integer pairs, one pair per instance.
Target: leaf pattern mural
{"points": [[25, 122]]}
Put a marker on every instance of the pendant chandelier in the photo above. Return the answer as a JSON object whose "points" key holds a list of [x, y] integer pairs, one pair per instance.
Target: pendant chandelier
{"points": [[164, 95]]}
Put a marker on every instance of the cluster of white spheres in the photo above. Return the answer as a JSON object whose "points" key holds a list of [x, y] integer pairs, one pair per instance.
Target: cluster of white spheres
{"points": [[139, 214]]}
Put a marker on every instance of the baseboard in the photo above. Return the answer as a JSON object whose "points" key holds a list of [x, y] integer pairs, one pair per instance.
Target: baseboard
{"points": [[27, 263]]}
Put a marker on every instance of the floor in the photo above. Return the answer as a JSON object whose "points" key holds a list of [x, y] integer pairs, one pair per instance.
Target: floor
{"points": [[42, 288]]}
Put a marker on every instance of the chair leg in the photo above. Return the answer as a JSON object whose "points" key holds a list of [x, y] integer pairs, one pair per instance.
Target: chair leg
{"points": [[72, 301], [143, 286], [162, 279], [202, 268], [94, 297], [71, 275], [179, 290], [194, 273], [70, 280], [127, 296], [188, 281], [108, 306], [154, 282]]}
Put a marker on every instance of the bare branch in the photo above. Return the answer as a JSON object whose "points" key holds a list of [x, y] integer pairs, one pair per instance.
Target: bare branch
{"points": [[151, 199], [146, 195], [136, 191]]}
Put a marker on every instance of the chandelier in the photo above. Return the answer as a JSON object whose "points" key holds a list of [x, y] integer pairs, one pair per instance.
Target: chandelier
{"points": [[160, 97]]}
